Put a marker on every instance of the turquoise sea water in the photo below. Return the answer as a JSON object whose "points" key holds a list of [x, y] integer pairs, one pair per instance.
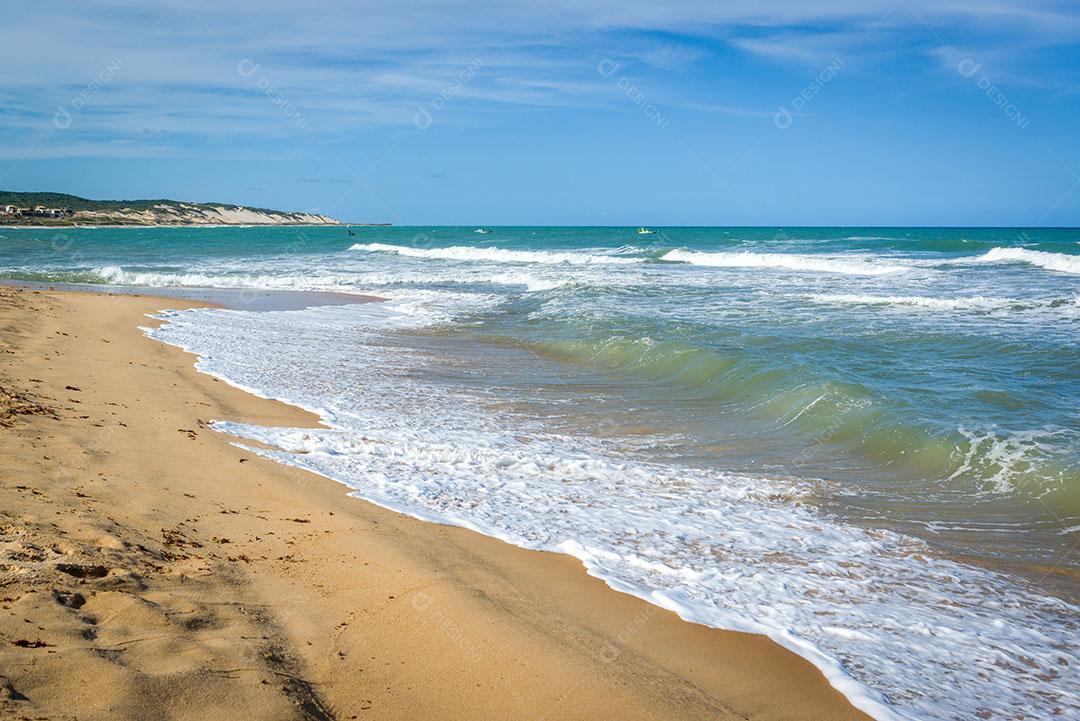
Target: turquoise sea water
{"points": [[914, 385]]}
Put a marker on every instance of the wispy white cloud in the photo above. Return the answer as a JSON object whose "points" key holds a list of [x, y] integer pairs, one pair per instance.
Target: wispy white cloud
{"points": [[998, 64], [805, 49], [342, 66], [101, 149]]}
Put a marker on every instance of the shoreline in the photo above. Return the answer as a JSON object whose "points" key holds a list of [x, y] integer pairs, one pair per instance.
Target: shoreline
{"points": [[34, 226], [233, 298], [363, 609]]}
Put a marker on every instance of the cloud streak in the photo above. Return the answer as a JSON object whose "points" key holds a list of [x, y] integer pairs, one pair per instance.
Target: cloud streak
{"points": [[340, 67]]}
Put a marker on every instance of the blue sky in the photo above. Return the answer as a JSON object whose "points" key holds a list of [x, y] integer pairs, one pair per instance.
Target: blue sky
{"points": [[898, 112]]}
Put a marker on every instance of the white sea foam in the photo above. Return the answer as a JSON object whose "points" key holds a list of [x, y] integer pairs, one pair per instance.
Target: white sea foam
{"points": [[119, 276], [532, 283], [1060, 262], [498, 255], [1045, 309], [357, 282], [979, 303], [785, 261], [997, 461], [903, 634]]}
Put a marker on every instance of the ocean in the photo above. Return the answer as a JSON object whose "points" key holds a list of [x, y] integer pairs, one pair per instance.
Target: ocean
{"points": [[862, 442]]}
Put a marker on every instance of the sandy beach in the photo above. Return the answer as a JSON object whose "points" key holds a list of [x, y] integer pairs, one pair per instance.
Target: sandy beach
{"points": [[150, 569]]}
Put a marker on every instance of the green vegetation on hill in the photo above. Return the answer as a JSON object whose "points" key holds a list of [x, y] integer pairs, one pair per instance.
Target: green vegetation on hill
{"points": [[75, 203]]}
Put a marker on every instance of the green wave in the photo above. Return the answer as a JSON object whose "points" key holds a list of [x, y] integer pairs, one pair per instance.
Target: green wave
{"points": [[825, 416]]}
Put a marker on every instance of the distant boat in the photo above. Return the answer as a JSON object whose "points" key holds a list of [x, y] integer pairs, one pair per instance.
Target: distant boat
{"points": [[645, 231], [481, 231]]}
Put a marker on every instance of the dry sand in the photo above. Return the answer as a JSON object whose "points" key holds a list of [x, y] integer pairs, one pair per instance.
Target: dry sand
{"points": [[151, 570]]}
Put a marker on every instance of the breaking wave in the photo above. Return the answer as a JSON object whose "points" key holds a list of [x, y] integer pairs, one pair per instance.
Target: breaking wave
{"points": [[498, 255], [785, 261], [1060, 262]]}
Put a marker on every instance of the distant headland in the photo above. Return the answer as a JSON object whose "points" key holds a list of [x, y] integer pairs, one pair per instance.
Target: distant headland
{"points": [[61, 209]]}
